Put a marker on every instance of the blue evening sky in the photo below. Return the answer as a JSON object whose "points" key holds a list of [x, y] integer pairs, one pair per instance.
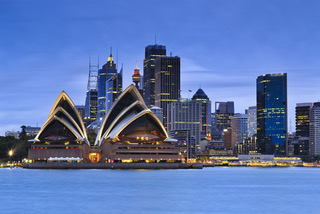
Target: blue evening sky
{"points": [[223, 45]]}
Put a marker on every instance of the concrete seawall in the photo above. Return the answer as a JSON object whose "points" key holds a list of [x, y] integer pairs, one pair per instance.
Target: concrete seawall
{"points": [[112, 166]]}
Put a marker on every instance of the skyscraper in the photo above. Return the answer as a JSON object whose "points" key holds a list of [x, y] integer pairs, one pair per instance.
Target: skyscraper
{"points": [[224, 111], [272, 114], [302, 119], [314, 144], [151, 53], [252, 120], [91, 106], [239, 129], [203, 99], [109, 86], [185, 115], [167, 83]]}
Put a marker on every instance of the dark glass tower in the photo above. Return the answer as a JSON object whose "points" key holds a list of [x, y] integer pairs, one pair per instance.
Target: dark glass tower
{"points": [[201, 97], [302, 119], [151, 53], [272, 114], [167, 83]]}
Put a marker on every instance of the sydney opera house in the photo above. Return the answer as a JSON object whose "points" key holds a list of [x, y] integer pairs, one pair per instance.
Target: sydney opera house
{"points": [[130, 132]]}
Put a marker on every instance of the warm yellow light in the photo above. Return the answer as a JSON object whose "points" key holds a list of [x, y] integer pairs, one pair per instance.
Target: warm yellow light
{"points": [[10, 153]]}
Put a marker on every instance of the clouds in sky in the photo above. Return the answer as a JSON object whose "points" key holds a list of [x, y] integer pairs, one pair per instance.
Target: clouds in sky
{"points": [[223, 45]]}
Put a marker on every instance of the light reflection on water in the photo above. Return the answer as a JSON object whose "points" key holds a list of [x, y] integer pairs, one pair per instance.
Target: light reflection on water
{"points": [[211, 190]]}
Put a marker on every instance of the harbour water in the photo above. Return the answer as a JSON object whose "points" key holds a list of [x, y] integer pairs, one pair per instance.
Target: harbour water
{"points": [[210, 190]]}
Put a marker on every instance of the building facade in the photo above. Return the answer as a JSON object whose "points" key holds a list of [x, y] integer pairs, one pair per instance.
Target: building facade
{"points": [[91, 106], [224, 111], [252, 120], [151, 53], [303, 119], [186, 143], [314, 145], [167, 83], [239, 129], [185, 115], [272, 114]]}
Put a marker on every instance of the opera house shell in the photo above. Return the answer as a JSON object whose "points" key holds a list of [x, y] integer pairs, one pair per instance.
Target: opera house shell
{"points": [[130, 132]]}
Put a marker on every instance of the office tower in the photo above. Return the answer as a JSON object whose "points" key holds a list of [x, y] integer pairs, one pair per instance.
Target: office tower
{"points": [[301, 141], [272, 114], [167, 83], [203, 99], [224, 111], [91, 106], [314, 145], [136, 76], [151, 53], [252, 120], [109, 86], [158, 112], [186, 143], [185, 114], [239, 129], [302, 119]]}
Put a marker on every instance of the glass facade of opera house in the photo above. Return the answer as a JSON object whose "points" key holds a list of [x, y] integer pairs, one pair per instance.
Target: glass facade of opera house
{"points": [[130, 132]]}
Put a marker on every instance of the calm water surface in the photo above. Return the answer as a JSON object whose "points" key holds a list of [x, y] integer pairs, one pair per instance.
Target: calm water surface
{"points": [[211, 190]]}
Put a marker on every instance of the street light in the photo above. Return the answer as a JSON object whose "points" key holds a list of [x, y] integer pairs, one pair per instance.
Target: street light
{"points": [[10, 153]]}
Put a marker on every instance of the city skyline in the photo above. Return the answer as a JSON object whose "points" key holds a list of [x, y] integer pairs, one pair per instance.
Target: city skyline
{"points": [[45, 48]]}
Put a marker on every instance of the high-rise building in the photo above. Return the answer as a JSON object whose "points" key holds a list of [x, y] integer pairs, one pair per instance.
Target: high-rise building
{"points": [[301, 140], [185, 115], [167, 83], [272, 114], [224, 111], [91, 106], [239, 129], [109, 86], [302, 119], [314, 144], [203, 99], [151, 53], [252, 120]]}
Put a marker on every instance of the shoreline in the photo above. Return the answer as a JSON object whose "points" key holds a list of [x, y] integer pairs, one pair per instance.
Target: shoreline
{"points": [[112, 166]]}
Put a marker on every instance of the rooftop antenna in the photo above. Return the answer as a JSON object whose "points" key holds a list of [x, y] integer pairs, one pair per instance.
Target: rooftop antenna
{"points": [[155, 39], [111, 51], [171, 54], [117, 56]]}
